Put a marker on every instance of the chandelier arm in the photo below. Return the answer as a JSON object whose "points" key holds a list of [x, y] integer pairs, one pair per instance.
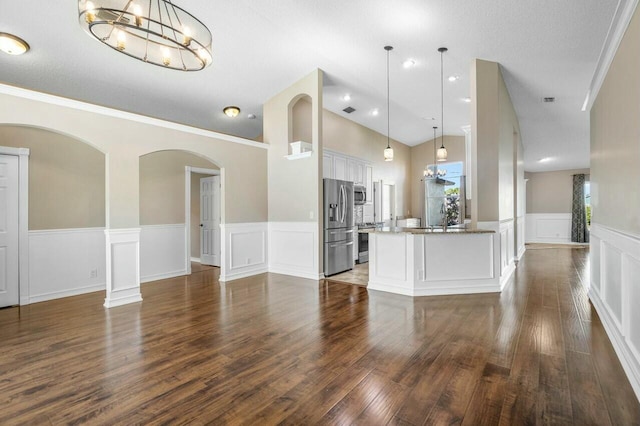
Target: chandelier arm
{"points": [[442, 96], [160, 19], [146, 43], [175, 36], [388, 113]]}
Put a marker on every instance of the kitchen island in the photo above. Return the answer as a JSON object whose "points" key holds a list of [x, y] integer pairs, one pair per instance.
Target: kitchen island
{"points": [[425, 262]]}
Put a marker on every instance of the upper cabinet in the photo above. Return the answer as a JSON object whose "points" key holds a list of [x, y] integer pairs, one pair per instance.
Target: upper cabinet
{"points": [[343, 167]]}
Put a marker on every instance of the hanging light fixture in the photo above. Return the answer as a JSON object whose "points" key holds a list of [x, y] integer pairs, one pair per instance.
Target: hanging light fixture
{"points": [[388, 151], [442, 151], [153, 31]]}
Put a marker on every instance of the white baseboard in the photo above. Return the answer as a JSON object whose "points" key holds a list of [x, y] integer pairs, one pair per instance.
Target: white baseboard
{"points": [[294, 249], [244, 250], [615, 293], [163, 276], [196, 259], [65, 262], [548, 228]]}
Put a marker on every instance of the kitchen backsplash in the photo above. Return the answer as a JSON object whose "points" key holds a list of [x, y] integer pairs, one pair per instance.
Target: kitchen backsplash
{"points": [[358, 214]]}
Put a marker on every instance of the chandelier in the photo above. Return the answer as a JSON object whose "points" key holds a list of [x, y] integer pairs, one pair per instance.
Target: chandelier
{"points": [[154, 31]]}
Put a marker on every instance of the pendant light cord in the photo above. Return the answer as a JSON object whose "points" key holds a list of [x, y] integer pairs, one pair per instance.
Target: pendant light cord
{"points": [[442, 98], [388, 111]]}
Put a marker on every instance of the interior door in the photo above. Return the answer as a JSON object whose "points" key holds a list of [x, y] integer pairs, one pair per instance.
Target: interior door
{"points": [[8, 230], [210, 221]]}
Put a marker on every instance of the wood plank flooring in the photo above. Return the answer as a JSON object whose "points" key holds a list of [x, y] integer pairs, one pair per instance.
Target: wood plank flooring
{"points": [[274, 349]]}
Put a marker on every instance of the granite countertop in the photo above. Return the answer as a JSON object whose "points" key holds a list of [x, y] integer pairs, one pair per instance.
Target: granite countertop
{"points": [[437, 231]]}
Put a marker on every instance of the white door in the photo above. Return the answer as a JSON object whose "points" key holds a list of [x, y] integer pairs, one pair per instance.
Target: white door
{"points": [[210, 221], [8, 230]]}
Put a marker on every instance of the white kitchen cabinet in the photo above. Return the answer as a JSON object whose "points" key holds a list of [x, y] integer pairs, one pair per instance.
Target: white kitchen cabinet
{"points": [[327, 166], [356, 171], [368, 182], [340, 171]]}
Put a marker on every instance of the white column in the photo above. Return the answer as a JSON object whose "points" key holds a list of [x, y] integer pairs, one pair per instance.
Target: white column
{"points": [[123, 266]]}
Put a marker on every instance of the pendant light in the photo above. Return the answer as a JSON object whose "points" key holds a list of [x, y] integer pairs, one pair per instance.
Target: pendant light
{"points": [[388, 151], [442, 151]]}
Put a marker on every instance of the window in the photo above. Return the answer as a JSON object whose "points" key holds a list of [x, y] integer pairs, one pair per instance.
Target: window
{"points": [[587, 202]]}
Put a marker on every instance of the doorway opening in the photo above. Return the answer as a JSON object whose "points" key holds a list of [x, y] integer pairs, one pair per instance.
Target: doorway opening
{"points": [[203, 217]]}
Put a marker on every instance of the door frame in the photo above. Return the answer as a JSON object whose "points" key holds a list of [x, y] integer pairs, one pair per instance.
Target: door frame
{"points": [[23, 220], [187, 209]]}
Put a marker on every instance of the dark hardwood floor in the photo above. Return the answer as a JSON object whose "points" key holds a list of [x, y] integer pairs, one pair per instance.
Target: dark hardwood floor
{"points": [[275, 349]]}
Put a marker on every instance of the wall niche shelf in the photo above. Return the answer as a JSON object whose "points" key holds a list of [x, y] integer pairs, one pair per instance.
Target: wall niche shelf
{"points": [[299, 149], [305, 154]]}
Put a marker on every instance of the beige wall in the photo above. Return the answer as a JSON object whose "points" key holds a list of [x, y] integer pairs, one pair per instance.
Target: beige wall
{"points": [[345, 136], [66, 179], [615, 139], [243, 164], [551, 192], [162, 178], [195, 213], [496, 144], [294, 186], [421, 156]]}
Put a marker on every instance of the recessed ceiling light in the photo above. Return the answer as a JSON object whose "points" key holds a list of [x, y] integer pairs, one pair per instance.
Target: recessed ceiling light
{"points": [[231, 111], [375, 112], [13, 45], [467, 100], [346, 97], [408, 63], [545, 160], [251, 116], [453, 78]]}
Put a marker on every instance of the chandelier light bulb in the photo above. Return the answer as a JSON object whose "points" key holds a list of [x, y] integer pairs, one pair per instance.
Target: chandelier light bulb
{"points": [[137, 11], [166, 57], [122, 40], [90, 15], [186, 36]]}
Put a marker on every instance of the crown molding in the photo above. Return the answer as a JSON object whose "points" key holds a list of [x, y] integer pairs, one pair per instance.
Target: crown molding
{"points": [[33, 95], [619, 24]]}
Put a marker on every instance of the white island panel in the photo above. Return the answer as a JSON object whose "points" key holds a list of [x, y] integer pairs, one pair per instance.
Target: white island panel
{"points": [[429, 264]]}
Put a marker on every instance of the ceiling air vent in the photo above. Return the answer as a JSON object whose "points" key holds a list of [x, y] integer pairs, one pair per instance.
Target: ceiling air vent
{"points": [[349, 110], [549, 99]]}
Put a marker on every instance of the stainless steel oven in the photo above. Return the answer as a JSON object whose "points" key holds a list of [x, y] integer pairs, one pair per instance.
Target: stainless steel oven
{"points": [[363, 242]]}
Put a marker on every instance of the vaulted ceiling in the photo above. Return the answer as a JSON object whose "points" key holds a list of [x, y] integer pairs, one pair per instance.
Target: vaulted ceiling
{"points": [[546, 48]]}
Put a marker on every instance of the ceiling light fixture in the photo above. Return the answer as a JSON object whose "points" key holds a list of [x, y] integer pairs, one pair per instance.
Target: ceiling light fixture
{"points": [[160, 33], [13, 45], [231, 111], [375, 112], [442, 151], [388, 151], [544, 160], [467, 100], [346, 97], [453, 78], [408, 63]]}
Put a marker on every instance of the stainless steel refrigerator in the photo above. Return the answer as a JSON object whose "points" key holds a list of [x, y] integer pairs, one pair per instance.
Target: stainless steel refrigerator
{"points": [[338, 226]]}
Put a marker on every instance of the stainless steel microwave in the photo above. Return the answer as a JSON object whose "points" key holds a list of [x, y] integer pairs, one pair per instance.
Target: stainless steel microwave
{"points": [[359, 195]]}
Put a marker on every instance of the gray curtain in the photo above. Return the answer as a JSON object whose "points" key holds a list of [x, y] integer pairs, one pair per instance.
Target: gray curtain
{"points": [[579, 231]]}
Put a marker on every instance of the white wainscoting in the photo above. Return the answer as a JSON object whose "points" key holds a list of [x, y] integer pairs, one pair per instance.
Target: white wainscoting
{"points": [[548, 228], [162, 252], [522, 223], [65, 262], [244, 250], [503, 248], [123, 266], [615, 293], [294, 249]]}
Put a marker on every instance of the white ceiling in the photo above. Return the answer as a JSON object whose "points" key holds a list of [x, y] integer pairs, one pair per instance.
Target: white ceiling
{"points": [[545, 47]]}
